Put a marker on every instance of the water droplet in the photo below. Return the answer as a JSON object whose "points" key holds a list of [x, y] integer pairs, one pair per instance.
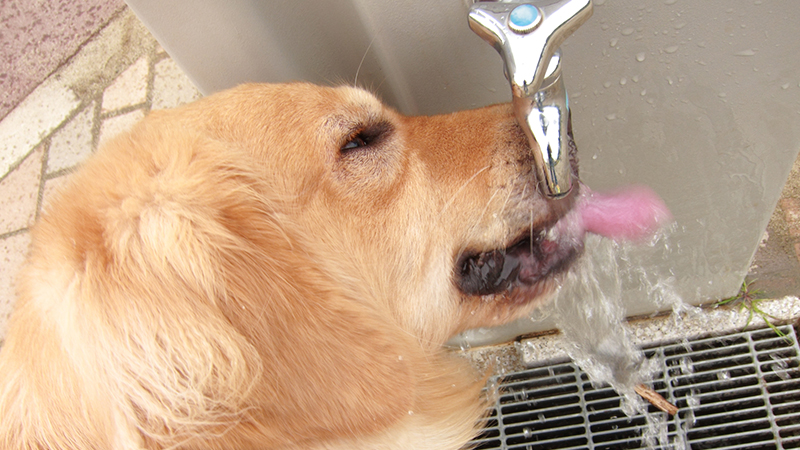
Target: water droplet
{"points": [[679, 25], [635, 78], [613, 42], [526, 433], [623, 81], [594, 156], [686, 366], [627, 31], [782, 373], [612, 116], [671, 49], [780, 367], [607, 84], [493, 386], [643, 93], [785, 86], [690, 420], [748, 52], [722, 95], [641, 56]]}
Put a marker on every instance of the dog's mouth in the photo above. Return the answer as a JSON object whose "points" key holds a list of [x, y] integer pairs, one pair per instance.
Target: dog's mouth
{"points": [[539, 255], [535, 256]]}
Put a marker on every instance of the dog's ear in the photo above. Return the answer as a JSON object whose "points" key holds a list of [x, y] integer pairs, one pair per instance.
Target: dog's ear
{"points": [[324, 363], [328, 364], [332, 365]]}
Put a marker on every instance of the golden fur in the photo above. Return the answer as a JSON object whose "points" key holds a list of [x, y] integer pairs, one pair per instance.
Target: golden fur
{"points": [[231, 275]]}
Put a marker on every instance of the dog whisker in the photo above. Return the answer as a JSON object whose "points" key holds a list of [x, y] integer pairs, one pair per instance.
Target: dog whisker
{"points": [[355, 81], [531, 231], [380, 84], [426, 343], [505, 202], [463, 186], [477, 222]]}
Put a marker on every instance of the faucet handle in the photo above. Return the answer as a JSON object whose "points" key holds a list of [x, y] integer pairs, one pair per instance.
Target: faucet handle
{"points": [[527, 34]]}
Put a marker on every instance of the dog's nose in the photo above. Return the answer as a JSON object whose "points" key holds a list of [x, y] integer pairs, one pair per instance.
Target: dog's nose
{"points": [[527, 36]]}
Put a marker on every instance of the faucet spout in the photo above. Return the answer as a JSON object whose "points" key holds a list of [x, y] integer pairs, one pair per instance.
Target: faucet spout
{"points": [[527, 36], [544, 118]]}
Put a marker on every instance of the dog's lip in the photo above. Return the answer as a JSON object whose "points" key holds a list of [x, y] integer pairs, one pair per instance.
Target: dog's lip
{"points": [[534, 256]]}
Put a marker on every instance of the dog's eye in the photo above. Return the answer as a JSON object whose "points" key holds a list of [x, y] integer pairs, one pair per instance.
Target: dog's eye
{"points": [[357, 141], [365, 137]]}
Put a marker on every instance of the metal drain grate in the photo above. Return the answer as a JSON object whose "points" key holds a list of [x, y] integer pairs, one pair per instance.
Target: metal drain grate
{"points": [[739, 391]]}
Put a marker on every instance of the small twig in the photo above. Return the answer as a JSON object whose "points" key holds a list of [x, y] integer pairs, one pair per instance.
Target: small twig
{"points": [[656, 399]]}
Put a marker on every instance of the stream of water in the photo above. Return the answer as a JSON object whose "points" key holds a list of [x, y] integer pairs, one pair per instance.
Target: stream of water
{"points": [[590, 313]]}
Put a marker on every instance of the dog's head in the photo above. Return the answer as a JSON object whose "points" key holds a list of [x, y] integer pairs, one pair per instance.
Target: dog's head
{"points": [[439, 217]]}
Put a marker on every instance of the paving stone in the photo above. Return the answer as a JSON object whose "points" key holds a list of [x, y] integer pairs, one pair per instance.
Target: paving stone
{"points": [[104, 57], [73, 143], [113, 126], [129, 88], [171, 87], [19, 193], [13, 251], [36, 117]]}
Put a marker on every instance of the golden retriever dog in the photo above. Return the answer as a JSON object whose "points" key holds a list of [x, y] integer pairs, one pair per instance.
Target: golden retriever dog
{"points": [[278, 267]]}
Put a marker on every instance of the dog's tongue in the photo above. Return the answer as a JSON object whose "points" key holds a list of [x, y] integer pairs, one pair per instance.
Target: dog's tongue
{"points": [[631, 214]]}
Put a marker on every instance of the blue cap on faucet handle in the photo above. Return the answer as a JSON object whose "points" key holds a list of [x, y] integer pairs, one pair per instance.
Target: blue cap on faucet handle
{"points": [[524, 18], [527, 49]]}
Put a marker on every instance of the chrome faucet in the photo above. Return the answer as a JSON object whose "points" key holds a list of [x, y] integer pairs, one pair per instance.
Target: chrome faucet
{"points": [[527, 36]]}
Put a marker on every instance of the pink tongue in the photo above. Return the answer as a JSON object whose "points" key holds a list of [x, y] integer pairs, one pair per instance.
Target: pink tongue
{"points": [[634, 213]]}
